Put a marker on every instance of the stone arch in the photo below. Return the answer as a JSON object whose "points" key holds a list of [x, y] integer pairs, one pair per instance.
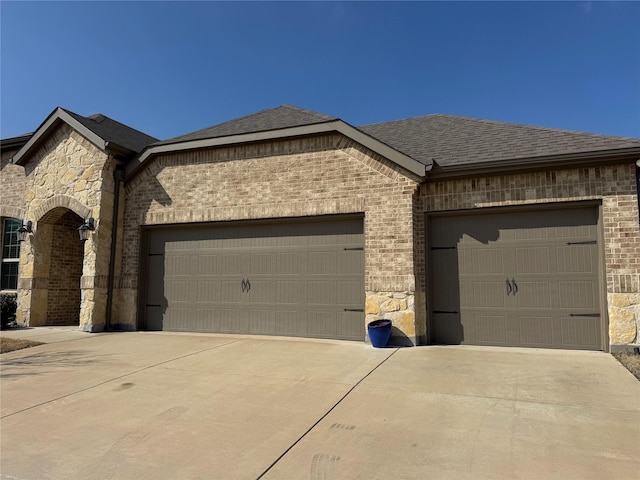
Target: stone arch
{"points": [[64, 201], [12, 212], [58, 262]]}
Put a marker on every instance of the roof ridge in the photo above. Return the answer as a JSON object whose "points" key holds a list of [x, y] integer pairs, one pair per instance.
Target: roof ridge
{"points": [[106, 117], [322, 116], [509, 124], [536, 127], [260, 121], [402, 119], [222, 123]]}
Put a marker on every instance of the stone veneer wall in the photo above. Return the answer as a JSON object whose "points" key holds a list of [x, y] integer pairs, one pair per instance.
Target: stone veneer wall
{"points": [[614, 185], [66, 172], [290, 178]]}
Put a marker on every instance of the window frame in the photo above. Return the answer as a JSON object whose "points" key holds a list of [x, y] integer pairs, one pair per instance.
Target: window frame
{"points": [[9, 260]]}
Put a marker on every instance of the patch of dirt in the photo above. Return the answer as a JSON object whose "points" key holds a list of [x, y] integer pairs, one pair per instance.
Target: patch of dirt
{"points": [[629, 361], [11, 344]]}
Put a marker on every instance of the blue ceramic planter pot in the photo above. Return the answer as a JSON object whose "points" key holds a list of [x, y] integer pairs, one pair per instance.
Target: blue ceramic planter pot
{"points": [[379, 332]]}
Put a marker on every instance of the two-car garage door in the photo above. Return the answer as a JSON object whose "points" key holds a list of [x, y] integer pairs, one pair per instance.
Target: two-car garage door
{"points": [[527, 278], [293, 278]]}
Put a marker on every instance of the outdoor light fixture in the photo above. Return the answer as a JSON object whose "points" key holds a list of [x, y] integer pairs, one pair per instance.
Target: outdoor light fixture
{"points": [[24, 230], [85, 228]]}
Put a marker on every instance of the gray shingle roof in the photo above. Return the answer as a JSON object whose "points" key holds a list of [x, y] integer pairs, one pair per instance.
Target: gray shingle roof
{"points": [[284, 116], [114, 132], [452, 140]]}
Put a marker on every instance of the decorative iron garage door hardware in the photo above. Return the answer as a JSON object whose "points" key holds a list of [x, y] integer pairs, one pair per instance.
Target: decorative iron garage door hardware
{"points": [[353, 310], [593, 315], [246, 285], [589, 242], [512, 287], [354, 248]]}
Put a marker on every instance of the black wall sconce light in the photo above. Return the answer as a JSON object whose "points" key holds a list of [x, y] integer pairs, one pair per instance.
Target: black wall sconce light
{"points": [[24, 230], [85, 228]]}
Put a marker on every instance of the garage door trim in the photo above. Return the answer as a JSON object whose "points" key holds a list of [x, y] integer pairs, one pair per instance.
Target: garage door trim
{"points": [[264, 229], [548, 206]]}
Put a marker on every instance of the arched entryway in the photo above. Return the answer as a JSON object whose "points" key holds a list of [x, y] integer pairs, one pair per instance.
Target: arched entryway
{"points": [[58, 262]]}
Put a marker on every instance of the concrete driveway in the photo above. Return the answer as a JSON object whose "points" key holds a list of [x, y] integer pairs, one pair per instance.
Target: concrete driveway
{"points": [[177, 406]]}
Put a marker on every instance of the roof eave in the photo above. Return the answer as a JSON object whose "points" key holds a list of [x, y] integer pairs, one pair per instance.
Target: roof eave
{"points": [[58, 115], [339, 126], [583, 159], [15, 142]]}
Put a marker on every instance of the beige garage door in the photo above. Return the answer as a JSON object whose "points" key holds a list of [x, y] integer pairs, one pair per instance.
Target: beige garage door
{"points": [[281, 278], [525, 279]]}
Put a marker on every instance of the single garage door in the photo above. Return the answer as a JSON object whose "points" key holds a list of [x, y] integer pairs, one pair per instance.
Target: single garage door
{"points": [[293, 278], [526, 279]]}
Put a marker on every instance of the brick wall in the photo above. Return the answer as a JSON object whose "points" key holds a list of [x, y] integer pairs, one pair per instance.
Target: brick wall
{"points": [[12, 186], [614, 185], [63, 301], [290, 178]]}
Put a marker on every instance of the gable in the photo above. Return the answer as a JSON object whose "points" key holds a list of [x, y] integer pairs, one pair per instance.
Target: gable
{"points": [[108, 135], [283, 122]]}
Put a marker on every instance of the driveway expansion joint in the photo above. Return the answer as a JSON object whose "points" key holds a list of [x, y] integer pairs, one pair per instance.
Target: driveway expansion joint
{"points": [[340, 400]]}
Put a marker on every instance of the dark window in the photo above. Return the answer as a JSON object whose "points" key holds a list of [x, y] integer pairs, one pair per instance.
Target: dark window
{"points": [[10, 255]]}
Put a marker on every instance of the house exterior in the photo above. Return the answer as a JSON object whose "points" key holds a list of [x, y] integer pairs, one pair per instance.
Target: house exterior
{"points": [[290, 222]]}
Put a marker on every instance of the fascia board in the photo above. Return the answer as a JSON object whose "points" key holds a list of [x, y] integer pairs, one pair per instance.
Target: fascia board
{"points": [[571, 160], [44, 129], [15, 142], [383, 149], [333, 126]]}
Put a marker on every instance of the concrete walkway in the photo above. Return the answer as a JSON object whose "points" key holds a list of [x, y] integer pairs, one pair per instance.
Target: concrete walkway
{"points": [[179, 406]]}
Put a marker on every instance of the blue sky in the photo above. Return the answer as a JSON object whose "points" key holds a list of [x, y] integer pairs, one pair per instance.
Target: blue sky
{"points": [[168, 68]]}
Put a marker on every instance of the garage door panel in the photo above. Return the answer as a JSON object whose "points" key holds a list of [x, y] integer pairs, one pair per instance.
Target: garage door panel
{"points": [[262, 278], [290, 292], [487, 329], [485, 261], [488, 294], [349, 262], [348, 293], [322, 324], [231, 291], [230, 321], [525, 273], [534, 294], [576, 259], [580, 331], [321, 292], [208, 291], [347, 324], [261, 291], [179, 291], [178, 265], [289, 322], [577, 295], [289, 263], [261, 321], [321, 263], [262, 263], [532, 260], [178, 318], [232, 263], [536, 331]]}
